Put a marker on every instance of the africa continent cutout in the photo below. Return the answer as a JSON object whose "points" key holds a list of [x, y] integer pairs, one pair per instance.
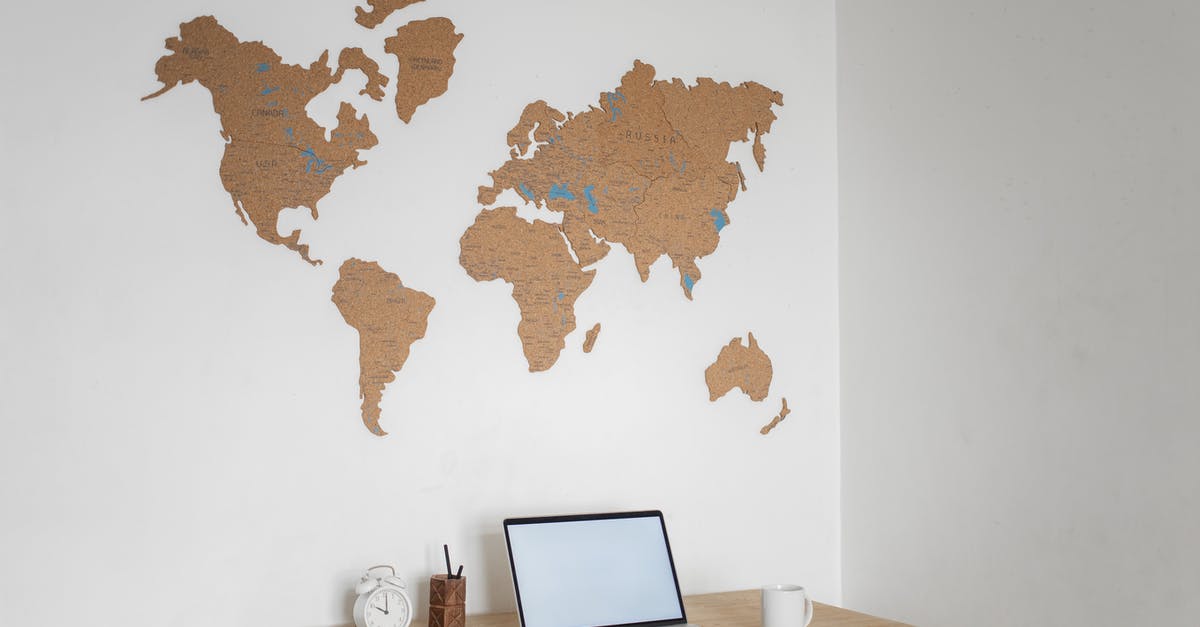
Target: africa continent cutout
{"points": [[389, 318], [277, 157], [646, 169], [740, 366], [546, 281]]}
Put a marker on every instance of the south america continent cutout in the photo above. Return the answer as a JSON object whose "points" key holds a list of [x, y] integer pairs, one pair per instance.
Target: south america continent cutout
{"points": [[646, 169], [389, 318], [740, 366]]}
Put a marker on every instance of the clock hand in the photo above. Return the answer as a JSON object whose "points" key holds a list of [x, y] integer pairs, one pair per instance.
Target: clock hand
{"points": [[385, 612], [387, 604]]}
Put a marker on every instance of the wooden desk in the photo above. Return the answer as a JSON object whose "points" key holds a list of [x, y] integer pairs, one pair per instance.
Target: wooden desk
{"points": [[723, 609]]}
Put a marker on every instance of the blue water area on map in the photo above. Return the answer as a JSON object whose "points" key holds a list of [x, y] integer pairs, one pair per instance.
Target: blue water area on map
{"points": [[290, 134], [315, 165], [680, 166], [525, 191], [557, 299], [269, 90], [263, 67], [719, 220], [273, 103], [688, 282], [613, 96], [587, 193], [561, 191]]}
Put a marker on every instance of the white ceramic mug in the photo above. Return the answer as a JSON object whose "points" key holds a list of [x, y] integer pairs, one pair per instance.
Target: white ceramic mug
{"points": [[786, 605]]}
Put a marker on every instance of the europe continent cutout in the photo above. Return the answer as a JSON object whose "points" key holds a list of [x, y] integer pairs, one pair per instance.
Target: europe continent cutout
{"points": [[646, 169]]}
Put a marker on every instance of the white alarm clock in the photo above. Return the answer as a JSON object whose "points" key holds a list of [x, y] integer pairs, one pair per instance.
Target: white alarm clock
{"points": [[382, 600]]}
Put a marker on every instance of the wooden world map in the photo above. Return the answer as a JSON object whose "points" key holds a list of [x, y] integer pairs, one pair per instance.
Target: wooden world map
{"points": [[645, 168]]}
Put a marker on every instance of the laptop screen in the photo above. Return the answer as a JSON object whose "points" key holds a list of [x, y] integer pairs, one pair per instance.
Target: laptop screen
{"points": [[589, 571]]}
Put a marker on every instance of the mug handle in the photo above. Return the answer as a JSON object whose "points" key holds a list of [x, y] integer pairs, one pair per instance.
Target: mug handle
{"points": [[808, 609]]}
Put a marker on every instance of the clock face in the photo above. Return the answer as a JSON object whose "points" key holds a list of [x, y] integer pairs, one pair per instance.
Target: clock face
{"points": [[386, 608]]}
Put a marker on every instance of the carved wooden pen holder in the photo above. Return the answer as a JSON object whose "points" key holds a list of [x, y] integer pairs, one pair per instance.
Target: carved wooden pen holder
{"points": [[447, 601]]}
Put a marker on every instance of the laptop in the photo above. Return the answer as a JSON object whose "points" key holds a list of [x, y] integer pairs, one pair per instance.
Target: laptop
{"points": [[594, 570]]}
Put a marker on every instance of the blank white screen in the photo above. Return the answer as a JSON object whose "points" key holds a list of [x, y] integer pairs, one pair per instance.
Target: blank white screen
{"points": [[593, 572]]}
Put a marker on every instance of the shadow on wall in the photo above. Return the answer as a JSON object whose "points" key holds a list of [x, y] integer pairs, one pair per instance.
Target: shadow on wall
{"points": [[499, 591]]}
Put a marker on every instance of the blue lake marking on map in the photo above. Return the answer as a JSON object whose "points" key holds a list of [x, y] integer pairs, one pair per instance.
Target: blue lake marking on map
{"points": [[719, 220], [315, 165], [525, 191], [612, 103], [263, 67], [561, 191], [633, 189], [273, 103], [587, 193], [557, 299], [269, 90], [291, 135], [688, 282], [678, 167]]}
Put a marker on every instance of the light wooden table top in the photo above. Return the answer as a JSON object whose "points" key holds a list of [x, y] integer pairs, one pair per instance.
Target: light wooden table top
{"points": [[723, 609]]}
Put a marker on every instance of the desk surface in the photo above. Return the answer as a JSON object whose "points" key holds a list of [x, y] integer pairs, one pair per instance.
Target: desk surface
{"points": [[723, 609]]}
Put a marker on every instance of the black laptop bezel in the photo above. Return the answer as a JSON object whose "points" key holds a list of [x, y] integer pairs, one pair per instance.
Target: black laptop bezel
{"points": [[512, 567]]}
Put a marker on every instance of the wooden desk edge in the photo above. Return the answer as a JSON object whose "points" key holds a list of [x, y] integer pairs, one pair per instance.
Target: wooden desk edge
{"points": [[740, 608]]}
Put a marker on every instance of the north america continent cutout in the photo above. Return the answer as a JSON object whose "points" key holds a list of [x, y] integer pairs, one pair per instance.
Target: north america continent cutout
{"points": [[276, 157], [740, 366], [389, 318], [646, 169]]}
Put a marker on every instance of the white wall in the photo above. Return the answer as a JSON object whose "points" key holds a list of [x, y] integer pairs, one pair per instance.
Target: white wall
{"points": [[180, 441], [1020, 311]]}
